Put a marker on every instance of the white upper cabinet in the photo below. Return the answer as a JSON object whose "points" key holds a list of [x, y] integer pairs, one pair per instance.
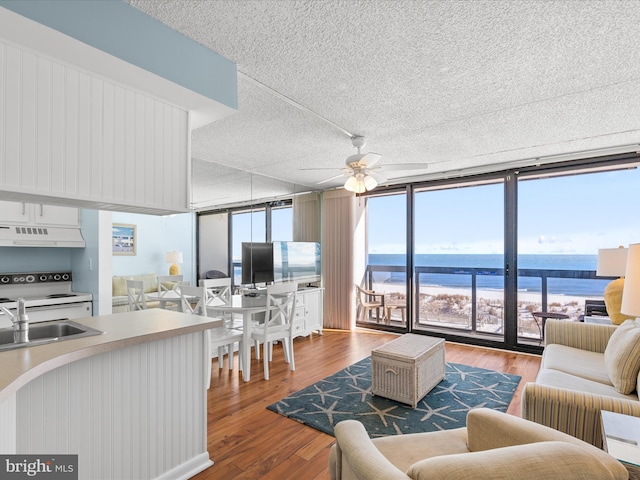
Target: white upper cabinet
{"points": [[70, 134], [20, 213]]}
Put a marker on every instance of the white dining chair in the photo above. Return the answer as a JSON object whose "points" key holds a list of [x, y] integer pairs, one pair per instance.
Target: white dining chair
{"points": [[219, 293], [136, 296], [168, 290], [168, 283], [194, 302], [278, 323]]}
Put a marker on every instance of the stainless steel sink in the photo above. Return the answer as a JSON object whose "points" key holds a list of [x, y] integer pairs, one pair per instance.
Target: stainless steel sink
{"points": [[47, 332]]}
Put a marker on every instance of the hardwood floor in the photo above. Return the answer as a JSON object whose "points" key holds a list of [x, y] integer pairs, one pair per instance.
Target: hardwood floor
{"points": [[247, 441]]}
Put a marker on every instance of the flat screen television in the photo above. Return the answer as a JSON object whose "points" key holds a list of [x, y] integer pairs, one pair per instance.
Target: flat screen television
{"points": [[296, 262], [257, 263]]}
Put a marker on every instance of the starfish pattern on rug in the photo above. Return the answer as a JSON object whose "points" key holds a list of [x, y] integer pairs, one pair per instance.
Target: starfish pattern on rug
{"points": [[363, 392], [430, 412], [347, 395], [381, 414], [323, 394], [329, 412], [463, 375]]}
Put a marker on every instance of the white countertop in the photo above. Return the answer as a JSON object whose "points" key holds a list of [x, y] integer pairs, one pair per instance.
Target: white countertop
{"points": [[20, 366]]}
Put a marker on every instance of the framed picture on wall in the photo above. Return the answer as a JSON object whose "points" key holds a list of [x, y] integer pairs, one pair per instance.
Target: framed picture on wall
{"points": [[123, 239]]}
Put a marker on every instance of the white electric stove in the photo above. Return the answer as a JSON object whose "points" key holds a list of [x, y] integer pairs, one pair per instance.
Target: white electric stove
{"points": [[47, 295]]}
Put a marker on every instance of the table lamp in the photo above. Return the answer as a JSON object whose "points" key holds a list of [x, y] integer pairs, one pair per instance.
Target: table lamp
{"points": [[631, 292], [174, 258], [612, 262]]}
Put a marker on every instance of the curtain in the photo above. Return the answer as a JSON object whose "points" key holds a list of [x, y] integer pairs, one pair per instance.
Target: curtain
{"points": [[306, 218], [342, 243]]}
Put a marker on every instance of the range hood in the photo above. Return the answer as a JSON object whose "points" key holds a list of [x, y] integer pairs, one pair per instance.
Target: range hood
{"points": [[36, 236]]}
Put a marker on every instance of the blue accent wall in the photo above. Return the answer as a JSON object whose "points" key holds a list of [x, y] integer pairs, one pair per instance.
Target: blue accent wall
{"points": [[84, 261], [34, 259], [117, 28], [156, 237]]}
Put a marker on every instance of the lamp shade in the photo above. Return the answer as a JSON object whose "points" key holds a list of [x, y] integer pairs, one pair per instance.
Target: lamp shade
{"points": [[612, 262], [631, 291], [174, 257]]}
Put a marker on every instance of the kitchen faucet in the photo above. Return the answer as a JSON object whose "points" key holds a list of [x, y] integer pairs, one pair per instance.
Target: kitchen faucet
{"points": [[20, 322]]}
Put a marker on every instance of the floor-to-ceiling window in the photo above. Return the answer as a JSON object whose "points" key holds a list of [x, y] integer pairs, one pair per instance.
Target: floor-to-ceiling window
{"points": [[563, 221], [459, 259], [221, 233], [247, 226], [494, 255], [387, 258], [282, 224]]}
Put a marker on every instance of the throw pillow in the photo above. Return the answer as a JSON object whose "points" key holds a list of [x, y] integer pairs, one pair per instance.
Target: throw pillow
{"points": [[150, 281], [622, 356], [119, 286]]}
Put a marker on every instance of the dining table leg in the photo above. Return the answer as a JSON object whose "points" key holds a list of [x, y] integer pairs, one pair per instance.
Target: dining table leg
{"points": [[246, 346]]}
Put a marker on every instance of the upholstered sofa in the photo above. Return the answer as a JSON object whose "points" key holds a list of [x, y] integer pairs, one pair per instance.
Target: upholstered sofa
{"points": [[493, 446], [119, 299], [585, 368]]}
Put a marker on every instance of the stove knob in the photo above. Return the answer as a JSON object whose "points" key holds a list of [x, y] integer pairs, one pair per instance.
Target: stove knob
{"points": [[43, 277], [56, 277], [30, 278], [65, 276], [4, 279]]}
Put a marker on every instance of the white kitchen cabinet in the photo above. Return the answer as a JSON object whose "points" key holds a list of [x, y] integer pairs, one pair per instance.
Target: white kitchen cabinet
{"points": [[309, 312], [20, 213]]}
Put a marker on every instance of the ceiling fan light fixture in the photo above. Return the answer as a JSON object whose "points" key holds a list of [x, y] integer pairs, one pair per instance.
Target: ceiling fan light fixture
{"points": [[353, 184], [360, 183], [369, 182]]}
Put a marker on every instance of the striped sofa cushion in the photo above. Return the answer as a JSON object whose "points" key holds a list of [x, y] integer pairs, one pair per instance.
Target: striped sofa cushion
{"points": [[622, 356]]}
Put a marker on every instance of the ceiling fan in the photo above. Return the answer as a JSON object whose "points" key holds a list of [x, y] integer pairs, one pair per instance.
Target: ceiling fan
{"points": [[363, 172]]}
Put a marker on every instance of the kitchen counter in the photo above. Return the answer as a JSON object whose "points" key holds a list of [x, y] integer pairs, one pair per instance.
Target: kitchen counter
{"points": [[131, 403]]}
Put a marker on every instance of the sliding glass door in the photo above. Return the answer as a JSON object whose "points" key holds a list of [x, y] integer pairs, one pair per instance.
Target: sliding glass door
{"points": [[387, 259], [459, 259]]}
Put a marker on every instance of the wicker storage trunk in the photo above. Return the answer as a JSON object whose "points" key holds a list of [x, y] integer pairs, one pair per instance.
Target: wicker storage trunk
{"points": [[406, 369]]}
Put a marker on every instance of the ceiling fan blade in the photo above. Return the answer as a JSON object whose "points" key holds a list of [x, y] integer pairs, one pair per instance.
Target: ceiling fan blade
{"points": [[332, 178], [400, 167], [370, 159], [318, 169], [378, 176]]}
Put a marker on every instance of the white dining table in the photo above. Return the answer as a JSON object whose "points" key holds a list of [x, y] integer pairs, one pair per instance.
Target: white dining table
{"points": [[170, 296], [247, 306]]}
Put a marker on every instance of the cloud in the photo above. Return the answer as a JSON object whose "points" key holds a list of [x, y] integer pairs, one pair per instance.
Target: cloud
{"points": [[544, 240]]}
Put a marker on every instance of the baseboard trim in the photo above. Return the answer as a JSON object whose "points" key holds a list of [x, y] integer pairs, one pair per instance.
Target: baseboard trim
{"points": [[188, 469]]}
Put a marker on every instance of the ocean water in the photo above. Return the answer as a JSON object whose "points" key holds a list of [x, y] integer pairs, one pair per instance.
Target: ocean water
{"points": [[490, 279]]}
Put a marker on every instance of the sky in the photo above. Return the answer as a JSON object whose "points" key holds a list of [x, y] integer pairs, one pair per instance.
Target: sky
{"points": [[575, 214]]}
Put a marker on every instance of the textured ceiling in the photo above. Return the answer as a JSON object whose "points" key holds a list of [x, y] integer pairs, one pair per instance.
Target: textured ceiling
{"points": [[452, 84]]}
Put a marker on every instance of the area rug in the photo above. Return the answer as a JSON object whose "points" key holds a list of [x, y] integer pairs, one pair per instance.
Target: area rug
{"points": [[347, 395]]}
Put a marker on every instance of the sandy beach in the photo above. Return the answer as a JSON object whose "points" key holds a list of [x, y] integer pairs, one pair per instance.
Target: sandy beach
{"points": [[452, 306], [494, 295]]}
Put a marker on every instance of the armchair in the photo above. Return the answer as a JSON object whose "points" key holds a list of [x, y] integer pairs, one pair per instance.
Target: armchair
{"points": [[493, 446]]}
